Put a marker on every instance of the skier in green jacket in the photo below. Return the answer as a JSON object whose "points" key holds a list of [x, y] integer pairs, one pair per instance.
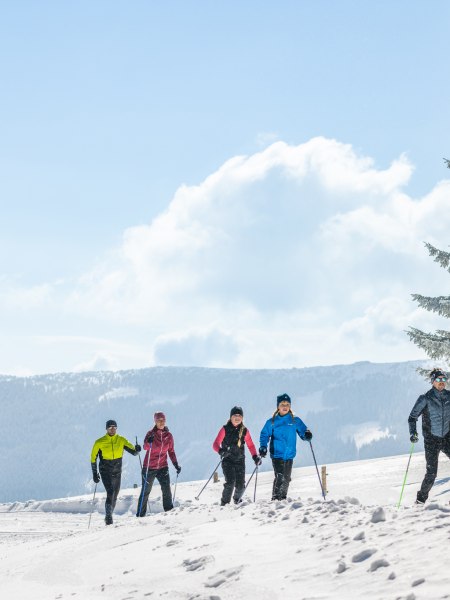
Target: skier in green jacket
{"points": [[109, 449]]}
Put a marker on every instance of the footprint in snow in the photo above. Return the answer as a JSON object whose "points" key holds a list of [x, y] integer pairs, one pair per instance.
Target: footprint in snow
{"points": [[341, 567], [195, 564], [378, 563], [360, 536], [378, 515], [364, 555], [223, 576]]}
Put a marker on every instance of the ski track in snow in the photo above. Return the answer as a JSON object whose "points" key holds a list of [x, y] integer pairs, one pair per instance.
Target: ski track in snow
{"points": [[302, 548]]}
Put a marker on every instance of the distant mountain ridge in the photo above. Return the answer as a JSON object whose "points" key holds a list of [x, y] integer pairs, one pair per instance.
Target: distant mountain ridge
{"points": [[50, 422]]}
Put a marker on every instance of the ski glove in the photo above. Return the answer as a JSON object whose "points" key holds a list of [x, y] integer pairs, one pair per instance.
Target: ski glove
{"points": [[137, 448], [263, 452], [307, 435], [149, 439], [177, 468], [414, 437], [223, 452], [95, 475], [257, 460]]}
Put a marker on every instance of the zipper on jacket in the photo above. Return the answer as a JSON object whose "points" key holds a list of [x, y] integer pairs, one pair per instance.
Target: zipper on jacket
{"points": [[160, 450]]}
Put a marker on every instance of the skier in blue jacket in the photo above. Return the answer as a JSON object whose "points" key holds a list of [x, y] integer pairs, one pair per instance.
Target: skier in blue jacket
{"points": [[282, 430], [434, 406]]}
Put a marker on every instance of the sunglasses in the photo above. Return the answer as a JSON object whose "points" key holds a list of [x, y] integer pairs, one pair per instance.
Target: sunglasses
{"points": [[441, 379]]}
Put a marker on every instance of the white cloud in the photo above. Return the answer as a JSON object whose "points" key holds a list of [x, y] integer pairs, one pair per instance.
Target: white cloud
{"points": [[196, 348], [302, 254]]}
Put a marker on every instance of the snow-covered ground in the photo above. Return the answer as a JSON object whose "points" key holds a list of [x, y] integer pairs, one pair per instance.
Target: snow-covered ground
{"points": [[357, 544]]}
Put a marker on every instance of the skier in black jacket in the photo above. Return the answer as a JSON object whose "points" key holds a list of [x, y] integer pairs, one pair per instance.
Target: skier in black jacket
{"points": [[230, 444], [434, 406]]}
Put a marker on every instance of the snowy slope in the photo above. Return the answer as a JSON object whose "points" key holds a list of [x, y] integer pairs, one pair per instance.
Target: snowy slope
{"points": [[355, 545], [49, 422]]}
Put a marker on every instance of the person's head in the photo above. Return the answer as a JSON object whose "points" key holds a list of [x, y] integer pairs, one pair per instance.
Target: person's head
{"points": [[236, 415], [283, 404], [160, 420], [438, 379], [111, 427]]}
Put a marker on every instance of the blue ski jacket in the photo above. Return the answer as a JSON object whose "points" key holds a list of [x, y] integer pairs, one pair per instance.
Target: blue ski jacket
{"points": [[282, 433], [434, 407]]}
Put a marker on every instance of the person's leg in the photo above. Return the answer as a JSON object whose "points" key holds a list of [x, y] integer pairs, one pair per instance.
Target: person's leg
{"points": [[148, 477], [107, 482], [163, 477], [433, 446], [230, 478], [278, 469], [115, 484], [239, 470], [446, 445], [286, 478]]}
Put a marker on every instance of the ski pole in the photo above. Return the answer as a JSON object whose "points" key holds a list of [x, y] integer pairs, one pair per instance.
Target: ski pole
{"points": [[92, 508], [256, 482], [198, 495], [315, 462], [175, 490], [251, 476], [139, 454], [144, 483], [406, 474]]}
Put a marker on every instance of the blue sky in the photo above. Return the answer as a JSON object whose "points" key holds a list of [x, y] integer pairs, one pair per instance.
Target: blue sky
{"points": [[117, 125]]}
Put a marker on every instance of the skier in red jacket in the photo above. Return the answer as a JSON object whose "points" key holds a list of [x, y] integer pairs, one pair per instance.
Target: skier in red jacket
{"points": [[230, 444], [159, 443]]}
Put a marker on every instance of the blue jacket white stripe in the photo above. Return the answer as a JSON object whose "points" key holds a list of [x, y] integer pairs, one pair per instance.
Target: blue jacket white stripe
{"points": [[282, 433]]}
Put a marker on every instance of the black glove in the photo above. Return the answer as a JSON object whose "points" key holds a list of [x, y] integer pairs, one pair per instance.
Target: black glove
{"points": [[307, 435], [223, 452], [263, 452], [257, 459], [177, 468], [149, 439], [137, 448], [414, 437], [95, 475]]}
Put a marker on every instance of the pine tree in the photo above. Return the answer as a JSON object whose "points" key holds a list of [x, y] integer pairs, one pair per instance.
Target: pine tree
{"points": [[437, 344]]}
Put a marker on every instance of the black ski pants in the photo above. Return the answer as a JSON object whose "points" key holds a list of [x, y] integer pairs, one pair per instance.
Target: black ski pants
{"points": [[111, 476], [234, 473], [433, 446], [282, 469], [148, 477]]}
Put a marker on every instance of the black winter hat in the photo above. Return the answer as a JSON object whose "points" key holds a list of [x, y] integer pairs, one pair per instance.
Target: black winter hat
{"points": [[111, 423], [283, 398], [437, 373], [236, 410]]}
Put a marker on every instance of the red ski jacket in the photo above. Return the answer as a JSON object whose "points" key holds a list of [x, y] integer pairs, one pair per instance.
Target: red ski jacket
{"points": [[158, 449]]}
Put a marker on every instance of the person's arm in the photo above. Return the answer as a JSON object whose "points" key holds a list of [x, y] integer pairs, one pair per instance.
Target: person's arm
{"points": [[129, 447], [264, 437], [171, 451], [148, 440], [250, 444], [300, 428], [94, 453], [219, 439], [417, 410]]}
